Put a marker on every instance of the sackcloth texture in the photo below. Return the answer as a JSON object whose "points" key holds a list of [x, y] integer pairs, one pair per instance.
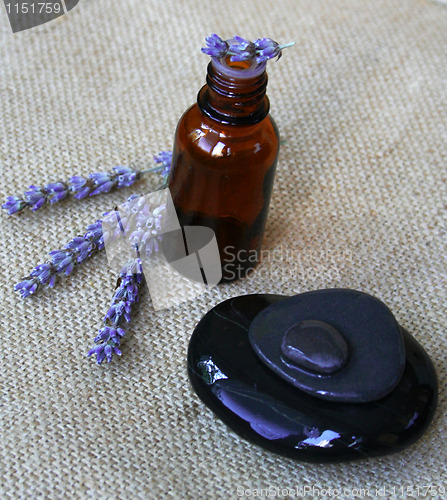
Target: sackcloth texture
{"points": [[359, 201]]}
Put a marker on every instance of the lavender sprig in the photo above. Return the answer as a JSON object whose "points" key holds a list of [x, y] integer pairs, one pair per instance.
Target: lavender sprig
{"points": [[142, 226], [215, 46], [241, 49], [63, 261], [80, 187], [125, 297]]}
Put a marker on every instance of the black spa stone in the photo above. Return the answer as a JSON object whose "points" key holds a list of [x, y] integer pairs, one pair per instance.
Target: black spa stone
{"points": [[340, 345], [259, 405]]}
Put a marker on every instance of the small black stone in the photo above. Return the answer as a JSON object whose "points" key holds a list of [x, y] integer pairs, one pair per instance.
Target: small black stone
{"points": [[260, 406], [315, 346]]}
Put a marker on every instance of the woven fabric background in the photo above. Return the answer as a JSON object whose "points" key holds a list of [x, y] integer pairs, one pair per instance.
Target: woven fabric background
{"points": [[359, 201]]}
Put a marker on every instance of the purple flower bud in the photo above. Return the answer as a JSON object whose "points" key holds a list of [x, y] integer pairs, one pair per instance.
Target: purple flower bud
{"points": [[108, 352], [52, 281], [100, 356], [216, 47], [34, 194], [104, 188], [66, 265], [39, 204], [75, 243], [63, 261], [241, 49], [267, 49], [81, 245], [36, 197], [57, 256], [94, 231], [77, 183], [56, 187], [126, 176], [100, 177], [95, 350], [26, 287], [44, 272], [58, 197], [14, 204], [83, 193]]}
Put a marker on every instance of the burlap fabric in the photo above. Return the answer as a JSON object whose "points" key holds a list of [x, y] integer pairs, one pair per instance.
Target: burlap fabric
{"points": [[359, 201]]}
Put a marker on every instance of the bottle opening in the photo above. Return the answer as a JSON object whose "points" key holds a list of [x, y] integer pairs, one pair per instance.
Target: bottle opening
{"points": [[238, 69], [237, 64]]}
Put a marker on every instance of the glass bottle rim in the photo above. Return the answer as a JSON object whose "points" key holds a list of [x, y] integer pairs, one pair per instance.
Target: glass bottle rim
{"points": [[254, 70]]}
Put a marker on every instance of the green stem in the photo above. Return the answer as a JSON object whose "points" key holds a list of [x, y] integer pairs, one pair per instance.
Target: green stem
{"points": [[291, 44], [153, 169]]}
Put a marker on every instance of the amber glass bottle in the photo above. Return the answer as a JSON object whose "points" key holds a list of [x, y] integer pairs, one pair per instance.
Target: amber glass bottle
{"points": [[224, 158]]}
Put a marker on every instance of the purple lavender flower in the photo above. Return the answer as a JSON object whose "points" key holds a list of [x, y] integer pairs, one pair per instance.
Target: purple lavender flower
{"points": [[36, 197], [14, 204], [27, 286], [63, 261], [103, 182], [125, 297], [56, 191], [142, 225], [76, 251], [241, 49], [81, 187], [126, 176], [165, 159], [44, 273], [266, 49], [216, 47]]}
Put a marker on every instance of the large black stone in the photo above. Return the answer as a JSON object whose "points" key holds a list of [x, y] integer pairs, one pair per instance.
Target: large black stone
{"points": [[369, 369], [257, 404]]}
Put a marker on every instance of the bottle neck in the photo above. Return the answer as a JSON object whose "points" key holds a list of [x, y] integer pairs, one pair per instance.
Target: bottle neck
{"points": [[235, 93]]}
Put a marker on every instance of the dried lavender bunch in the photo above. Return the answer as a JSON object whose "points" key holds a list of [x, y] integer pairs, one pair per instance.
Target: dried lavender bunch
{"points": [[142, 225], [80, 187], [126, 294], [241, 49]]}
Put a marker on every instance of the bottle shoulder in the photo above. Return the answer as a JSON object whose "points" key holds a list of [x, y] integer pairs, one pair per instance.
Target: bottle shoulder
{"points": [[196, 128]]}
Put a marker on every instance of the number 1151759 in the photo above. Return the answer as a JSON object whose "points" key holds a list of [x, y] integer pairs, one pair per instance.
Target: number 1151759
{"points": [[33, 8]]}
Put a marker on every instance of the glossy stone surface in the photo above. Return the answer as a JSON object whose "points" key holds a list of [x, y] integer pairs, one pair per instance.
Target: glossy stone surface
{"points": [[314, 346], [374, 342], [260, 406]]}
